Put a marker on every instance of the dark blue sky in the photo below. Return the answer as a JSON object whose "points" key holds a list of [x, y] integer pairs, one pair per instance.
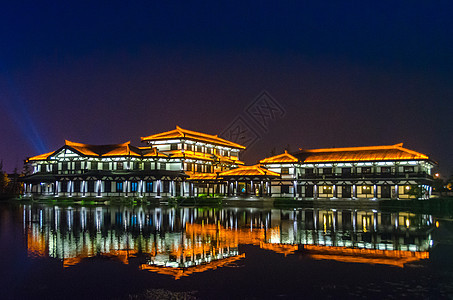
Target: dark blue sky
{"points": [[347, 74]]}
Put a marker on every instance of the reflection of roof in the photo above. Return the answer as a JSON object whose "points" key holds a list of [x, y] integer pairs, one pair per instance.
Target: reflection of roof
{"points": [[255, 170], [177, 273], [281, 158], [285, 249], [180, 133], [369, 256]]}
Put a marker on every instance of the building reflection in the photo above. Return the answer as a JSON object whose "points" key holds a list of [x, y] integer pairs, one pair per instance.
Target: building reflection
{"points": [[180, 242]]}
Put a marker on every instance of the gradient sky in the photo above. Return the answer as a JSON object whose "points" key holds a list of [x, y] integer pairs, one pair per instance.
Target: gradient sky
{"points": [[350, 74]]}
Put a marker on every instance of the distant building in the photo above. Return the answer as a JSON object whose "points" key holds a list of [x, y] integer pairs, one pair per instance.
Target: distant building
{"points": [[181, 162]]}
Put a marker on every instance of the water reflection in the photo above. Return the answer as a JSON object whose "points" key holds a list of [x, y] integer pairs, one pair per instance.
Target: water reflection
{"points": [[179, 242]]}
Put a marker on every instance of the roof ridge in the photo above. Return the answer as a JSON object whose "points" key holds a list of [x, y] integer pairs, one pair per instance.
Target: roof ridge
{"points": [[358, 148]]}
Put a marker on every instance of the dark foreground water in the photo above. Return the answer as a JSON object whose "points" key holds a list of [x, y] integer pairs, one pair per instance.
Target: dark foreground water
{"points": [[134, 252]]}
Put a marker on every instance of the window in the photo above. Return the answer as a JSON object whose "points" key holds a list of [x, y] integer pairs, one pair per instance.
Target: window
{"points": [[119, 187], [366, 170], [105, 166], [199, 149], [107, 186], [189, 166], [233, 153], [189, 147], [134, 186], [285, 189], [119, 165], [407, 189], [78, 165], [149, 186], [208, 169], [366, 189], [327, 171], [166, 185], [285, 171], [345, 171], [385, 169], [163, 166], [76, 186], [408, 169], [200, 168], [309, 171], [147, 165], [63, 186], [64, 166], [90, 186], [173, 146], [208, 150], [327, 189]]}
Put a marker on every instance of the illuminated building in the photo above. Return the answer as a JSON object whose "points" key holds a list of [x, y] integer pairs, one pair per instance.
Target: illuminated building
{"points": [[122, 170], [182, 162], [354, 172]]}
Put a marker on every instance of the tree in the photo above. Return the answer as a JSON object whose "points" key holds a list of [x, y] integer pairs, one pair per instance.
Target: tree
{"points": [[439, 185]]}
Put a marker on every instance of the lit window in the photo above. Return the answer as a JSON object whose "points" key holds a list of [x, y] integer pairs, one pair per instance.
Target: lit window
{"points": [[408, 169], [149, 186], [327, 189], [119, 186], [285, 170], [407, 189], [366, 189], [134, 186]]}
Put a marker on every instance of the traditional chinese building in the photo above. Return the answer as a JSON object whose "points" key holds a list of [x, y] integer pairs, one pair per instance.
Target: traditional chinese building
{"points": [[182, 162], [159, 169], [353, 172]]}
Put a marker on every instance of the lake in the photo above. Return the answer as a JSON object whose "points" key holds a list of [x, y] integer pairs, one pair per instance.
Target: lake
{"points": [[145, 252]]}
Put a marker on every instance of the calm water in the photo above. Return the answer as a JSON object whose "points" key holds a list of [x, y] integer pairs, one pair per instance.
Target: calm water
{"points": [[50, 251]]}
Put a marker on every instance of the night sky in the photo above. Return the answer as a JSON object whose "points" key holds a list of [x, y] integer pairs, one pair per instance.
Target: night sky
{"points": [[350, 74]]}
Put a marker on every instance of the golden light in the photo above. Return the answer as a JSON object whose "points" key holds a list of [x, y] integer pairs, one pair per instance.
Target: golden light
{"points": [[437, 224], [407, 223], [437, 175]]}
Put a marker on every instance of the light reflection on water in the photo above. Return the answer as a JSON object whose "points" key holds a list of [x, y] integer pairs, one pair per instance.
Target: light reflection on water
{"points": [[180, 242]]}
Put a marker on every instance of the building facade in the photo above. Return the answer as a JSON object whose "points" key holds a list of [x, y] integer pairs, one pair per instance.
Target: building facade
{"points": [[389, 172], [187, 163]]}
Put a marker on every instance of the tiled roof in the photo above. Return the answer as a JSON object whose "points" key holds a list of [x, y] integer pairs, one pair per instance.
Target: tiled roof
{"points": [[255, 170], [202, 176], [373, 153], [281, 158], [41, 156], [180, 133], [124, 149]]}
